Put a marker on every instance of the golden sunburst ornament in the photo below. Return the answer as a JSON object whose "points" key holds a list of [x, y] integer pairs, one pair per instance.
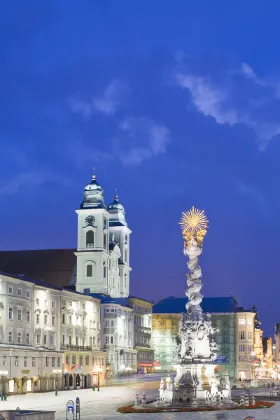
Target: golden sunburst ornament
{"points": [[194, 223]]}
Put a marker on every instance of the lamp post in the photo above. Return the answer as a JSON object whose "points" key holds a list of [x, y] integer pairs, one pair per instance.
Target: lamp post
{"points": [[56, 372], [99, 370], [3, 373]]}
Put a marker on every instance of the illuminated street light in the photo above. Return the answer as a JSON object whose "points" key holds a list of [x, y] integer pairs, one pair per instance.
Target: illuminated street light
{"points": [[99, 370]]}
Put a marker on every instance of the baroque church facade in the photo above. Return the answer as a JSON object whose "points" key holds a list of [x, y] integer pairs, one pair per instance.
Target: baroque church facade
{"points": [[103, 248]]}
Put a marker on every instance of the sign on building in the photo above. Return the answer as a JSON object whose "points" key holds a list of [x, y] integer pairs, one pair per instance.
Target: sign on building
{"points": [[221, 359]]}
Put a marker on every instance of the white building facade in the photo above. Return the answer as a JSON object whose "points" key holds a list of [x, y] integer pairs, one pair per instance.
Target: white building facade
{"points": [[49, 338], [29, 344], [118, 339], [80, 342]]}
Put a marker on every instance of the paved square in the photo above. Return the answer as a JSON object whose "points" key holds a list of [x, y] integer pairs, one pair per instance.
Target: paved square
{"points": [[102, 406]]}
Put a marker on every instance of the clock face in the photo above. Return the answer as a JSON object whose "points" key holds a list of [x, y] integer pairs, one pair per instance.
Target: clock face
{"points": [[90, 220]]}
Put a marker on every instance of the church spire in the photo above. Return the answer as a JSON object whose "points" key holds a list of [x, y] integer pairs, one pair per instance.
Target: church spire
{"points": [[93, 174]]}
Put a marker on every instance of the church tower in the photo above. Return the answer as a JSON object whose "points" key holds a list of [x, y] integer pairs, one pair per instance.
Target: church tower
{"points": [[119, 242], [93, 241]]}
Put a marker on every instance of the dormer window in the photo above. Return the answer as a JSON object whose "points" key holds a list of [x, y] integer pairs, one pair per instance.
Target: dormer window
{"points": [[90, 239]]}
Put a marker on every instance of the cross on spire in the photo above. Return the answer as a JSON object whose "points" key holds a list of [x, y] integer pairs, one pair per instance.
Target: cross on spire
{"points": [[93, 175], [116, 197]]}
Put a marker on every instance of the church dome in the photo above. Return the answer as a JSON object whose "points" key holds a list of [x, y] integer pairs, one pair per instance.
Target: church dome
{"points": [[117, 213], [93, 195], [115, 205]]}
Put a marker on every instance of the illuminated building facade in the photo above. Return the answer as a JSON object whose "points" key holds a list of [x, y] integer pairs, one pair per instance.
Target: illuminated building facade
{"points": [[276, 350], [81, 341], [267, 366], [245, 344], [166, 318], [142, 310], [118, 337], [258, 338], [49, 337]]}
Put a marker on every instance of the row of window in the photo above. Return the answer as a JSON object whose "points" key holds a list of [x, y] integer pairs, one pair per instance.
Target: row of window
{"points": [[79, 341], [19, 292], [46, 303], [243, 348], [245, 321], [143, 321], [70, 303], [142, 340], [63, 302], [81, 359], [125, 359], [242, 335], [79, 320], [110, 339], [19, 314], [119, 312], [19, 338], [46, 318], [145, 356], [113, 323], [55, 361], [51, 340]]}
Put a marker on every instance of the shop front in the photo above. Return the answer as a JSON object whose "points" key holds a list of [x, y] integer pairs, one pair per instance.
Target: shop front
{"points": [[145, 368]]}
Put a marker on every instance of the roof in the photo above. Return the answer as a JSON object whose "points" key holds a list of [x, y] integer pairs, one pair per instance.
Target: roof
{"points": [[53, 266], [175, 305], [118, 301], [108, 299]]}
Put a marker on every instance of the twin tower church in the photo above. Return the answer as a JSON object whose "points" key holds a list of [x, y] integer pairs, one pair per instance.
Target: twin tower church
{"points": [[99, 264], [103, 245]]}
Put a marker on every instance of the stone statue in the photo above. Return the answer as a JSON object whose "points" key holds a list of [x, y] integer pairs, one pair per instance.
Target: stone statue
{"points": [[196, 347]]}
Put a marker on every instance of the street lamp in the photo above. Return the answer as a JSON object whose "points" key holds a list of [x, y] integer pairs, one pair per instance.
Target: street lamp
{"points": [[3, 373], [56, 372], [99, 370]]}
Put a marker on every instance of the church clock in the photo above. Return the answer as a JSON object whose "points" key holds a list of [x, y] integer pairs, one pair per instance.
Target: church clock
{"points": [[90, 220]]}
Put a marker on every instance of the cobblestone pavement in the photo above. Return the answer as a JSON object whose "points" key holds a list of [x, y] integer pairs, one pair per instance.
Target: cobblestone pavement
{"points": [[102, 405]]}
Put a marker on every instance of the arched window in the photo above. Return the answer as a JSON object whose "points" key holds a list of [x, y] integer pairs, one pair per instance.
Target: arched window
{"points": [[104, 271], [90, 239], [89, 270]]}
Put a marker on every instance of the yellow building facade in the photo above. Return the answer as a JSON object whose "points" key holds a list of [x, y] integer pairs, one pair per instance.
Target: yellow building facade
{"points": [[245, 335]]}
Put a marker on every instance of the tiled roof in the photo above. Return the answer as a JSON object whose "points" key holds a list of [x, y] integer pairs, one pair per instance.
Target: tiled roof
{"points": [[53, 266], [175, 305]]}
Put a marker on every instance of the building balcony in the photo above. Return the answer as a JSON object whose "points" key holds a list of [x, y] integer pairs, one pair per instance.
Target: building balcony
{"points": [[143, 346], [144, 330], [75, 348]]}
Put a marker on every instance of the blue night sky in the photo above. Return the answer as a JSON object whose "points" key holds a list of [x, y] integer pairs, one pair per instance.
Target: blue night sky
{"points": [[176, 104]]}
